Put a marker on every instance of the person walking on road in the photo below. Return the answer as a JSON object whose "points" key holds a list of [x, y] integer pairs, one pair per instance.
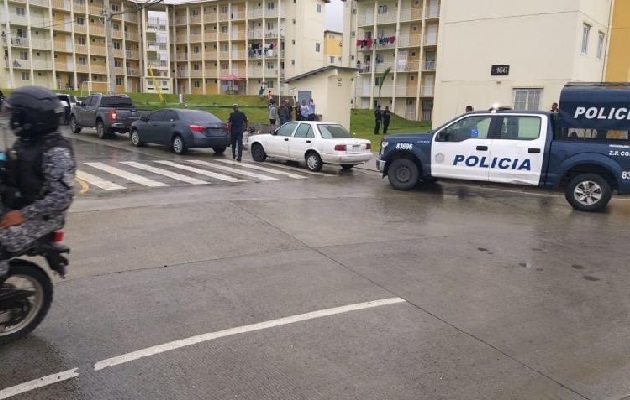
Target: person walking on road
{"points": [[305, 111], [272, 113], [284, 112], [386, 117], [311, 110], [378, 117], [238, 124]]}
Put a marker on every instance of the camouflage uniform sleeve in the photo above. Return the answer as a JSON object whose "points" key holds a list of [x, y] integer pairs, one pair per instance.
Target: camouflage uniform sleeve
{"points": [[59, 169]]}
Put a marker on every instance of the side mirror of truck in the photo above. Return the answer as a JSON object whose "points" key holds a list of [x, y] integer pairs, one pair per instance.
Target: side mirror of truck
{"points": [[441, 136]]}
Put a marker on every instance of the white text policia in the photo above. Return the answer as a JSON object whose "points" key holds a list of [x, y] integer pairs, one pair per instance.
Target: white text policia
{"points": [[501, 163], [618, 114]]}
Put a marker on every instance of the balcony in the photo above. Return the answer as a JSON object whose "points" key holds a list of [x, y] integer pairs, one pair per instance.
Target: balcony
{"points": [[79, 7], [64, 66], [224, 36], [240, 35], [133, 72], [211, 73], [224, 72], [117, 34], [426, 91], [180, 56], [224, 55], [65, 46], [365, 20], [64, 26], [410, 14], [17, 19], [433, 12], [275, 13], [255, 13], [98, 30], [118, 53], [119, 70], [131, 36], [210, 17], [157, 63], [403, 90], [99, 69], [64, 5], [94, 9], [182, 73], [133, 54], [181, 38], [19, 64], [195, 19], [381, 67], [386, 91], [84, 68], [273, 34], [362, 91], [407, 66], [97, 50], [80, 48], [224, 17], [210, 37], [130, 17], [39, 3], [196, 73], [429, 66], [196, 38], [430, 40], [181, 20], [196, 56], [19, 1], [387, 18], [409, 40], [80, 28], [156, 46], [211, 55], [41, 44], [255, 34], [238, 15], [20, 42]]}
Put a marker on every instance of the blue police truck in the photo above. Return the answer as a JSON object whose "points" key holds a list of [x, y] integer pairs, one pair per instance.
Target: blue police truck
{"points": [[584, 148]]}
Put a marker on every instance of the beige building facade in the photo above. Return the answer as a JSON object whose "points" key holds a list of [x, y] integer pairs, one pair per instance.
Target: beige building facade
{"points": [[200, 47], [333, 42]]}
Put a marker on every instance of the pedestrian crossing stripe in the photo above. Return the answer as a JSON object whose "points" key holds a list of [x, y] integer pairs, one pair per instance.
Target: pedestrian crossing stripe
{"points": [[198, 167]]}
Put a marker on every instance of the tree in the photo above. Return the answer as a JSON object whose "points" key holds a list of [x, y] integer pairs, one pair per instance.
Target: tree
{"points": [[381, 80]]}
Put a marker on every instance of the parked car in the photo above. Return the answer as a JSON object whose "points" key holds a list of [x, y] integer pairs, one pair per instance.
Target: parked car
{"points": [[108, 114], [67, 101], [317, 143], [181, 130]]}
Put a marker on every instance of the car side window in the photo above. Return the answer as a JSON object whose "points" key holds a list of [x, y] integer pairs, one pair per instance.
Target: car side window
{"points": [[157, 116], [171, 116], [310, 134], [472, 127], [302, 130], [287, 129], [518, 128]]}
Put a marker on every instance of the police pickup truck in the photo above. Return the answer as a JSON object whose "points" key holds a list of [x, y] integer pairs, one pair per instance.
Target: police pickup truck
{"points": [[583, 149]]}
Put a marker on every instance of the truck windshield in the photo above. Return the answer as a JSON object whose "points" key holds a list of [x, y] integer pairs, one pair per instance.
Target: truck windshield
{"points": [[116, 101]]}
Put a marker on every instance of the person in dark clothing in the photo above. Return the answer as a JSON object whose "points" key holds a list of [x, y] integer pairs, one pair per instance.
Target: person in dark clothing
{"points": [[386, 118], [378, 117], [284, 112], [237, 123], [298, 117]]}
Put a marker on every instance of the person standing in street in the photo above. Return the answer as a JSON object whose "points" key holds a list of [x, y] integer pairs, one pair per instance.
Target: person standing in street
{"points": [[311, 110], [378, 117], [284, 112], [305, 111], [386, 118], [272, 113], [237, 123]]}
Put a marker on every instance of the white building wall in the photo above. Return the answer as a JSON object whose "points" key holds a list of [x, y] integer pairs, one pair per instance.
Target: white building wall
{"points": [[540, 40]]}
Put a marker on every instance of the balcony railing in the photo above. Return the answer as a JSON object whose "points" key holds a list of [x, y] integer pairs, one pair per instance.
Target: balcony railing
{"points": [[119, 70], [130, 17], [82, 68], [238, 54], [210, 17], [41, 44], [211, 55], [99, 69], [19, 64], [98, 30], [133, 71], [255, 13], [407, 66], [98, 50], [255, 34], [196, 73], [211, 73], [95, 9], [63, 46], [426, 91], [210, 37], [194, 19], [238, 15], [181, 56], [430, 40], [240, 35], [409, 40], [80, 28], [224, 17], [381, 67], [20, 42], [79, 6], [118, 53], [387, 18], [403, 90], [196, 56], [80, 48], [117, 34], [196, 38], [40, 3], [131, 36], [181, 38], [410, 14], [157, 63], [62, 5], [224, 36], [433, 12], [224, 55], [429, 65], [133, 54], [365, 20], [182, 73], [64, 65]]}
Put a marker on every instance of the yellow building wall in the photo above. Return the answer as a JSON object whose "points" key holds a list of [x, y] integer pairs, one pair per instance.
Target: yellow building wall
{"points": [[332, 44], [618, 64]]}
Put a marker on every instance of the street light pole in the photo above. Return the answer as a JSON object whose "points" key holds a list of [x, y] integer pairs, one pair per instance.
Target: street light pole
{"points": [[107, 14]]}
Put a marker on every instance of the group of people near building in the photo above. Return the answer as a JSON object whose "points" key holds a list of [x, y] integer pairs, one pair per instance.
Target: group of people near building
{"points": [[285, 112]]}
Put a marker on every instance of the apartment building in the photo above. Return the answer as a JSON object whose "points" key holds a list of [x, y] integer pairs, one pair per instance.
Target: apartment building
{"points": [[200, 47], [399, 36], [333, 43]]}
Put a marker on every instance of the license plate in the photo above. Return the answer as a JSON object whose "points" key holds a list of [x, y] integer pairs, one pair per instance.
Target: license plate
{"points": [[356, 148]]}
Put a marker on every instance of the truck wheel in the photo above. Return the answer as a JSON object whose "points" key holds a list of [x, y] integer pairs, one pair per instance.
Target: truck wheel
{"points": [[588, 192], [101, 131], [73, 125], [403, 174]]}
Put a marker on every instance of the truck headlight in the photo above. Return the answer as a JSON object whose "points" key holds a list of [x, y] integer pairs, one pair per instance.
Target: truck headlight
{"points": [[383, 145]]}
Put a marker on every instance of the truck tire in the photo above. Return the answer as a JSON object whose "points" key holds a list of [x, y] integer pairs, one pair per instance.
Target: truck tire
{"points": [[101, 131], [403, 174], [73, 125], [588, 192]]}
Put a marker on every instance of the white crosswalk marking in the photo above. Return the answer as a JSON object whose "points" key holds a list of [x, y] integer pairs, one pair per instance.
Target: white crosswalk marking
{"points": [[167, 173], [233, 170], [200, 171], [268, 170], [126, 175], [98, 182], [289, 168]]}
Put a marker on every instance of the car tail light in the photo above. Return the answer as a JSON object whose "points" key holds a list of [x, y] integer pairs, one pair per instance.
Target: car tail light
{"points": [[340, 147], [368, 146], [57, 236], [196, 128], [112, 115]]}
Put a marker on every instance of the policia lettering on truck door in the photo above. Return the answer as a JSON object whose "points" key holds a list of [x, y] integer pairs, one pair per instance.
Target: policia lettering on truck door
{"points": [[38, 183]]}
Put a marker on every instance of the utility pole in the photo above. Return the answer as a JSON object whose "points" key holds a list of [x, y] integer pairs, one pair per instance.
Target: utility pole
{"points": [[111, 72]]}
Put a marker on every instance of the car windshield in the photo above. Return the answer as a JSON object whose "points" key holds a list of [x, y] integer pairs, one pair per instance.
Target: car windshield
{"points": [[330, 131], [116, 101], [199, 117]]}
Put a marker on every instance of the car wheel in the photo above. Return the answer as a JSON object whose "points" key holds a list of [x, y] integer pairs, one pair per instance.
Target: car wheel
{"points": [[101, 131], [403, 174], [258, 152], [588, 192], [73, 125], [219, 150], [135, 138], [347, 167], [313, 161], [179, 146]]}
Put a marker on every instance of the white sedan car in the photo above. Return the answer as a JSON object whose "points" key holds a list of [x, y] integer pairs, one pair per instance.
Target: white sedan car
{"points": [[317, 143]]}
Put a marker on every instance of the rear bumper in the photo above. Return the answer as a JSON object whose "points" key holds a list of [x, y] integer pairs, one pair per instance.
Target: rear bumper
{"points": [[209, 142], [380, 165], [121, 126], [346, 158]]}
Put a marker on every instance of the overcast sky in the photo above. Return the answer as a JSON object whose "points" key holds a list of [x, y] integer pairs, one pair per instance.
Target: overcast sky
{"points": [[334, 16]]}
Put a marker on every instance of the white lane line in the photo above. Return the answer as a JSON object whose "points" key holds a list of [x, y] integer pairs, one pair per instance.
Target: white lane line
{"points": [[38, 383], [98, 182], [126, 175], [200, 171], [287, 167], [267, 170], [233, 170], [167, 173], [151, 351]]}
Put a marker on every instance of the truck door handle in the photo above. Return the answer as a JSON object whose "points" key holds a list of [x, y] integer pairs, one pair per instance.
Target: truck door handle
{"points": [[308, 141], [482, 148], [533, 150], [286, 139]]}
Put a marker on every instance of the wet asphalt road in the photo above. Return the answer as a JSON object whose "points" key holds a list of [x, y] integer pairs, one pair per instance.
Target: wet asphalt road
{"points": [[496, 293]]}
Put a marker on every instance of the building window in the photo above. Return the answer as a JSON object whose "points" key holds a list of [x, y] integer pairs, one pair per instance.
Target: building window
{"points": [[20, 11], [24, 55], [318, 47], [117, 63], [319, 8], [197, 84], [600, 45], [224, 9], [81, 40], [224, 29], [527, 99], [80, 20], [332, 59], [116, 26], [271, 6], [117, 45], [119, 81], [382, 9], [26, 76], [586, 32], [115, 7], [82, 60]]}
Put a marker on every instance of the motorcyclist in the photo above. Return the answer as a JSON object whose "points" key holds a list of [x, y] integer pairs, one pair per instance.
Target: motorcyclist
{"points": [[38, 183]]}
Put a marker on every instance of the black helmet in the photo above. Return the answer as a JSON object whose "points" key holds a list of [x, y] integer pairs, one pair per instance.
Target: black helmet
{"points": [[35, 111]]}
